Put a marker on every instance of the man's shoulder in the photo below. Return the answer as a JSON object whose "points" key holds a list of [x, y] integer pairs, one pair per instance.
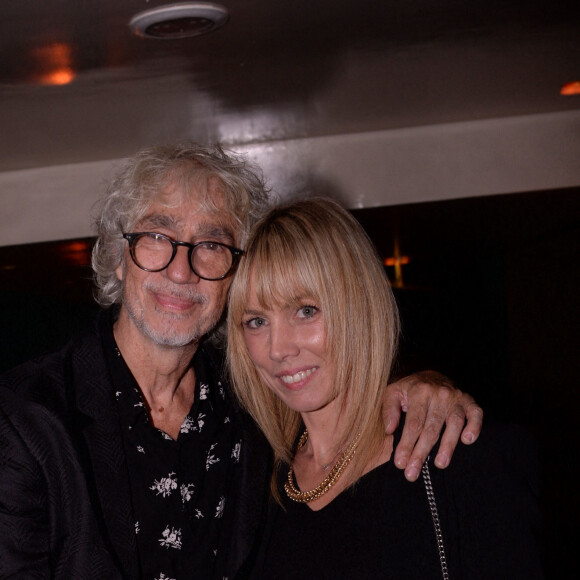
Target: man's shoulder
{"points": [[34, 370], [53, 359], [25, 416], [12, 406], [501, 468], [29, 433], [44, 378]]}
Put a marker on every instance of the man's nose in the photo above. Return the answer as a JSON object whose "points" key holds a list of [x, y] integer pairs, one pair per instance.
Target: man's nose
{"points": [[179, 271]]}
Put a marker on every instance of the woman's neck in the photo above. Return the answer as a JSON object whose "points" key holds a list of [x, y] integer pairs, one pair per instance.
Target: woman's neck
{"points": [[325, 434], [324, 448]]}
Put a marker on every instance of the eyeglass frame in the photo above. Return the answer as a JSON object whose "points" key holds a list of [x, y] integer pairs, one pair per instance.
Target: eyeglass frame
{"points": [[236, 253]]}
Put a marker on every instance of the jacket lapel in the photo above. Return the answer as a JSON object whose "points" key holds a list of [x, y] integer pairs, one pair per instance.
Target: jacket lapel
{"points": [[251, 487], [99, 425]]}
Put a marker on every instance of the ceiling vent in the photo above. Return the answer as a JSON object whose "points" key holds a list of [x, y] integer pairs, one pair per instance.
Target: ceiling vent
{"points": [[179, 20]]}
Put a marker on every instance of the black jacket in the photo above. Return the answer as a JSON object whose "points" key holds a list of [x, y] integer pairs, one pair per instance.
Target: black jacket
{"points": [[74, 384], [47, 526]]}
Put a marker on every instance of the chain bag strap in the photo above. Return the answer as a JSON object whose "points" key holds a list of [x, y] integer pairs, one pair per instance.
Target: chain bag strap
{"points": [[435, 517]]}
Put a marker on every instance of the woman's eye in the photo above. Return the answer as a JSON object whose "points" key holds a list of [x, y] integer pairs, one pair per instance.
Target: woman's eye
{"points": [[254, 323], [307, 311]]}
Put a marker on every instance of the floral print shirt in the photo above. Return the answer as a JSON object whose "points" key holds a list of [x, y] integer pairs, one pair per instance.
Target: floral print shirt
{"points": [[179, 488]]}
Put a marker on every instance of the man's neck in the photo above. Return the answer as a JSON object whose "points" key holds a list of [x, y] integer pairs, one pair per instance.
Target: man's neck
{"points": [[164, 375]]}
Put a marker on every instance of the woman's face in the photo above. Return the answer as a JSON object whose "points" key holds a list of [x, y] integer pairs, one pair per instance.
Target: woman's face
{"points": [[287, 345]]}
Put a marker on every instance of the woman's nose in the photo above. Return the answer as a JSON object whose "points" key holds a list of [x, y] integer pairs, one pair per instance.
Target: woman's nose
{"points": [[282, 341]]}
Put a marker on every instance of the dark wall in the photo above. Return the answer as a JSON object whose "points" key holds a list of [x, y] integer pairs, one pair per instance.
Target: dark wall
{"points": [[45, 297], [491, 297]]}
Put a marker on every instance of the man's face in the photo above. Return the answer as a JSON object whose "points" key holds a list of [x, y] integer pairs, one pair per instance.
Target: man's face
{"points": [[175, 307]]}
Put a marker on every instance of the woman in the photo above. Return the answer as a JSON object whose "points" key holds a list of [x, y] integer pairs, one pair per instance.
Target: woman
{"points": [[312, 329]]}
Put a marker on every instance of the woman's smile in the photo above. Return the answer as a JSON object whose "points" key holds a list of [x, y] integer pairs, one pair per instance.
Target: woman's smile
{"points": [[297, 377], [287, 344]]}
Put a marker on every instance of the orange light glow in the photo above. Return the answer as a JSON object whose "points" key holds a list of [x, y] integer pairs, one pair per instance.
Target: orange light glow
{"points": [[396, 261], [77, 246], [571, 89], [58, 77], [76, 252], [55, 63]]}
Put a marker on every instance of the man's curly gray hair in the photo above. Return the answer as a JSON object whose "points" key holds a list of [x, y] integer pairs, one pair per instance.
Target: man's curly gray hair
{"points": [[146, 176]]}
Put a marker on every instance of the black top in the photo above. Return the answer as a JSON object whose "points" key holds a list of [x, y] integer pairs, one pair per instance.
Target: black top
{"points": [[383, 528], [179, 488], [363, 533]]}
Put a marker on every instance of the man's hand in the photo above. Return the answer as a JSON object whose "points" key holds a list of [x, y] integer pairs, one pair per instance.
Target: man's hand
{"points": [[431, 402]]}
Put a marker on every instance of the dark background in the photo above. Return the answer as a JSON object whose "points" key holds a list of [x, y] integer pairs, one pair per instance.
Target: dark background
{"points": [[490, 297]]}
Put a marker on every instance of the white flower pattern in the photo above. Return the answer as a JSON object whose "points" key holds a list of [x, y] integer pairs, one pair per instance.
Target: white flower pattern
{"points": [[236, 452], [188, 425], [161, 525], [171, 538], [186, 491], [211, 458], [219, 511], [165, 485]]}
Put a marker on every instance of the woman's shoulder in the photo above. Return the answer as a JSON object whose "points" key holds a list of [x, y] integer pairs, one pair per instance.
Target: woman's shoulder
{"points": [[501, 449], [489, 499], [500, 444]]}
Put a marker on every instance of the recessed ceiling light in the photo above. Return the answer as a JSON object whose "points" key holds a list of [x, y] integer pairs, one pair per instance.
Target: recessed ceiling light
{"points": [[54, 63], [179, 20]]}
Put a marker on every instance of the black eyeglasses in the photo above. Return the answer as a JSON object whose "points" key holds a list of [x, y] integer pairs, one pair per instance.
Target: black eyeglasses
{"points": [[153, 252]]}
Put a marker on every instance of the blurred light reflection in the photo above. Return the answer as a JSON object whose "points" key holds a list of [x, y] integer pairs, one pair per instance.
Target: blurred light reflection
{"points": [[76, 252], [55, 64]]}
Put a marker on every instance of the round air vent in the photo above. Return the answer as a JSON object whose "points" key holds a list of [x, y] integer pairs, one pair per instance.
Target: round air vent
{"points": [[179, 20]]}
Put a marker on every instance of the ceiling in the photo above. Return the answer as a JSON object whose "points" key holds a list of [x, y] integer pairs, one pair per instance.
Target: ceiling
{"points": [[277, 71]]}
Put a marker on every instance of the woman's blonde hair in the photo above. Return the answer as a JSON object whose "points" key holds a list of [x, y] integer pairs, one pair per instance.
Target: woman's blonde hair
{"points": [[315, 248]]}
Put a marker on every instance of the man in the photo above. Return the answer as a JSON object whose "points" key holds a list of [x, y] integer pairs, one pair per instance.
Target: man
{"points": [[176, 472]]}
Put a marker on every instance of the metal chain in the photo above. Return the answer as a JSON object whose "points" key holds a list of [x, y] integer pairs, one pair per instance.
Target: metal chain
{"points": [[435, 517]]}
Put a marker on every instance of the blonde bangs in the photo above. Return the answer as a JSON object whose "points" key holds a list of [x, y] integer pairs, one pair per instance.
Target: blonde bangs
{"points": [[283, 272]]}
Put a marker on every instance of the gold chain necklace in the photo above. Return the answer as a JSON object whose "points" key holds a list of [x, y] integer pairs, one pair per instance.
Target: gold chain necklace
{"points": [[327, 466], [307, 496]]}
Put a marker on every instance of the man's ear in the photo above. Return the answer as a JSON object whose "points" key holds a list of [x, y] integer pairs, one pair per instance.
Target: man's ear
{"points": [[119, 270]]}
